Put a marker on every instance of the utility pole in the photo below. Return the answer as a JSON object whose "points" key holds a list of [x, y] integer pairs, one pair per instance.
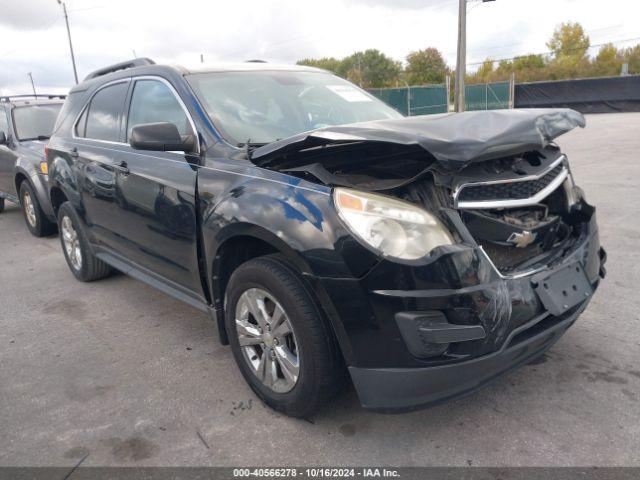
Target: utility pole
{"points": [[32, 85], [461, 62], [73, 58]]}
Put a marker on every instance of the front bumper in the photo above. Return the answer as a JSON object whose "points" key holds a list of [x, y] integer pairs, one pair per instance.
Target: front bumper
{"points": [[500, 322], [396, 389]]}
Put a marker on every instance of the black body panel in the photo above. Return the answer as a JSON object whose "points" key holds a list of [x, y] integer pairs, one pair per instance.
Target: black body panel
{"points": [[168, 218]]}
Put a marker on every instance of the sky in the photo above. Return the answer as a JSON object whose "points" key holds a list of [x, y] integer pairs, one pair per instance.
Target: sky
{"points": [[280, 31]]}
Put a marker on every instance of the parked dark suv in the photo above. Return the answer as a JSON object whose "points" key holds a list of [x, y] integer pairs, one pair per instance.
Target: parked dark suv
{"points": [[26, 122], [320, 228]]}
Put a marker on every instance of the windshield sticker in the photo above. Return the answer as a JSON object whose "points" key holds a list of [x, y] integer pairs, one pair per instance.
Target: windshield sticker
{"points": [[350, 94]]}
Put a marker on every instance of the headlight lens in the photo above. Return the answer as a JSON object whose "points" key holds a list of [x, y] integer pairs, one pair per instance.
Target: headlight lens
{"points": [[392, 227]]}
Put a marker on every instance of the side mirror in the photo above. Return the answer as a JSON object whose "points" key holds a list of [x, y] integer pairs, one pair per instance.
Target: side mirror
{"points": [[3, 138], [161, 137]]}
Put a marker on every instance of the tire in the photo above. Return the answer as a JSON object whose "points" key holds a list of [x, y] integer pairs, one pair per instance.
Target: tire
{"points": [[35, 219], [321, 370], [1, 205], [84, 265]]}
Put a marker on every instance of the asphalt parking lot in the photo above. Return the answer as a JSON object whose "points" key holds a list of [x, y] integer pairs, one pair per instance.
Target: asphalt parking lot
{"points": [[123, 375]]}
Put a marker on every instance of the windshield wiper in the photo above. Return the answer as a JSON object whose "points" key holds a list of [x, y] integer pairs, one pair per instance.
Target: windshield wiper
{"points": [[250, 146]]}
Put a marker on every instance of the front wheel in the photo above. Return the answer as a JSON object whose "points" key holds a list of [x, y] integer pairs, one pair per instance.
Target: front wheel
{"points": [[36, 220], [283, 346], [84, 265]]}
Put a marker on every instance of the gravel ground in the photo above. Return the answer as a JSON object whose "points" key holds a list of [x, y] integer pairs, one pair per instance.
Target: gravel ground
{"points": [[129, 376]]}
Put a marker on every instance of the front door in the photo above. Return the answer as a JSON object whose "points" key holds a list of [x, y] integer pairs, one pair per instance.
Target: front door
{"points": [[157, 191]]}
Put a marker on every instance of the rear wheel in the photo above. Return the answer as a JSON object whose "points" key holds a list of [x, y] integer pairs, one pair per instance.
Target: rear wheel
{"points": [[84, 265], [1, 205], [283, 346], [37, 222]]}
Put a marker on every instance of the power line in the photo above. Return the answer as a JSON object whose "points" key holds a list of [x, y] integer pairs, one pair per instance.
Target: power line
{"points": [[550, 52]]}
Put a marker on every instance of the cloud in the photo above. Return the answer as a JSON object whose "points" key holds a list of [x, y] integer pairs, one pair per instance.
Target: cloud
{"points": [[406, 4], [108, 31], [28, 15]]}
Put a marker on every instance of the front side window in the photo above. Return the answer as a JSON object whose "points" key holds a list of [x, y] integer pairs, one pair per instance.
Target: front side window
{"points": [[264, 106], [35, 122], [103, 115], [153, 102]]}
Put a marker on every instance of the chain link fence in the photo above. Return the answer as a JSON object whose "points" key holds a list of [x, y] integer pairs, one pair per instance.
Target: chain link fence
{"points": [[410, 101], [430, 99], [488, 96]]}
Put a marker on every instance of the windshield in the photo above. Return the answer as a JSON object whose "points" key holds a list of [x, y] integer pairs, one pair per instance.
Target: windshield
{"points": [[261, 107], [35, 121]]}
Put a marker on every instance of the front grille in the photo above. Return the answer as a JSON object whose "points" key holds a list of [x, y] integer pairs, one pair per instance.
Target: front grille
{"points": [[508, 259], [518, 190]]}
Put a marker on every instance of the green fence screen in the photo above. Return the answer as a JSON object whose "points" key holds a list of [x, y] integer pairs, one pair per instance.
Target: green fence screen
{"points": [[428, 99], [487, 96], [411, 101]]}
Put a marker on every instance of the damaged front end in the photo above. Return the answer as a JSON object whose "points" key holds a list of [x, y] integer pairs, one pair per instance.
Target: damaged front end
{"points": [[523, 262]]}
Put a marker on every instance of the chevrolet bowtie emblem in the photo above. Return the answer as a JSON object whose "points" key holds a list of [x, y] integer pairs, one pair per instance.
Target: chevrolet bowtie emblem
{"points": [[521, 239]]}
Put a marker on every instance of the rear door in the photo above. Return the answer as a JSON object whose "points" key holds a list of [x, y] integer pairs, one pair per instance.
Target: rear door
{"points": [[99, 151], [7, 157], [158, 190]]}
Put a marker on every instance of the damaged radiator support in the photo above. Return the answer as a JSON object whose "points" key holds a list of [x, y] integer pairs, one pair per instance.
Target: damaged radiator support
{"points": [[513, 238]]}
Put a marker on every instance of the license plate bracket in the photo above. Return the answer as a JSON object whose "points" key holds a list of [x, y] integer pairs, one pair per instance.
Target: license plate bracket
{"points": [[562, 289]]}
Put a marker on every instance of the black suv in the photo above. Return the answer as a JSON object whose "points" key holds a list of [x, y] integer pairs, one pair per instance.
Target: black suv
{"points": [[319, 228], [26, 123]]}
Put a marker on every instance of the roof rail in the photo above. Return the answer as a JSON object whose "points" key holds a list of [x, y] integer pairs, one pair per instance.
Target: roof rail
{"points": [[48, 96], [136, 62]]}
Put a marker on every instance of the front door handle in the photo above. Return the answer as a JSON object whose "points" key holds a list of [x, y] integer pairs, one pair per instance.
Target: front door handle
{"points": [[122, 167]]}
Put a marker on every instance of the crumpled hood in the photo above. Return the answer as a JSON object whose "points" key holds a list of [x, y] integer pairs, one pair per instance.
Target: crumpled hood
{"points": [[454, 139]]}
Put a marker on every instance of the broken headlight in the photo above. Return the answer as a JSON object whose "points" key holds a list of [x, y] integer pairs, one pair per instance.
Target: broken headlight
{"points": [[391, 227]]}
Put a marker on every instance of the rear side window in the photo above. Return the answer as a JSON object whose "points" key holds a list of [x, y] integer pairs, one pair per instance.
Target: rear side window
{"points": [[103, 115], [153, 101]]}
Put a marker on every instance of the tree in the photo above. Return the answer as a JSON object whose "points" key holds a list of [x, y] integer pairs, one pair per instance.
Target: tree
{"points": [[485, 72], [569, 40], [528, 62], [608, 62], [425, 66], [327, 63], [569, 46], [370, 69], [631, 56]]}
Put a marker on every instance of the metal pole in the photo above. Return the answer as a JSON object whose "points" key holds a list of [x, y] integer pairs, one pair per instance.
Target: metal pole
{"points": [[32, 85], [73, 58], [201, 58], [462, 56], [512, 90], [448, 90]]}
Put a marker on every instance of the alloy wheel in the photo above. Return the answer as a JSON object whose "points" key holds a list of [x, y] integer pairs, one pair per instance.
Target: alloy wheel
{"points": [[71, 242], [29, 209], [267, 340]]}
